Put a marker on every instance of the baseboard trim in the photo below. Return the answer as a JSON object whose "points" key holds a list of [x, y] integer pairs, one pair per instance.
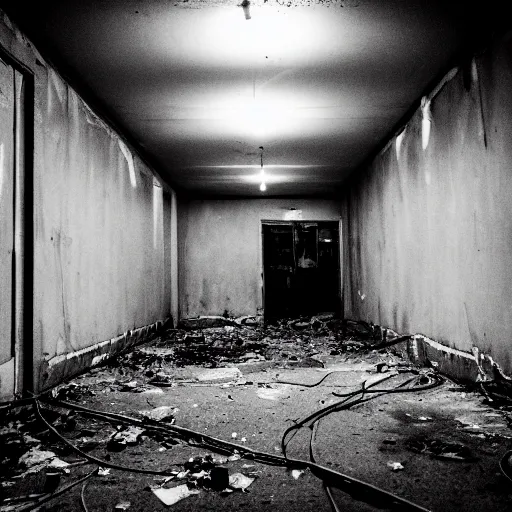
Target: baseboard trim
{"points": [[62, 367]]}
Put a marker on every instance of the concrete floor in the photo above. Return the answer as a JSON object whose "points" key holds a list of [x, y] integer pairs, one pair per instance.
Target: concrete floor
{"points": [[245, 399]]}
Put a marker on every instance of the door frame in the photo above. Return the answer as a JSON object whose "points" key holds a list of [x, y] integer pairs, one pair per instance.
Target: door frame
{"points": [[274, 222], [21, 364]]}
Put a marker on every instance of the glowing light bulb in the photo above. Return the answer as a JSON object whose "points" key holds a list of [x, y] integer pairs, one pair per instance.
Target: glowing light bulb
{"points": [[263, 187]]}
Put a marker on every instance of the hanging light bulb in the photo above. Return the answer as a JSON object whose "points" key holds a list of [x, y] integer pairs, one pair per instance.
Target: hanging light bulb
{"points": [[263, 185]]}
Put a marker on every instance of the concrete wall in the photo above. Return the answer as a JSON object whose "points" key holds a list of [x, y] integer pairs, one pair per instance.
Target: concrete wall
{"points": [[429, 226], [221, 254], [103, 225]]}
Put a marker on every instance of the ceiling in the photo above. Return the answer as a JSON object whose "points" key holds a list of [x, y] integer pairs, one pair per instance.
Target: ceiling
{"points": [[319, 84]]}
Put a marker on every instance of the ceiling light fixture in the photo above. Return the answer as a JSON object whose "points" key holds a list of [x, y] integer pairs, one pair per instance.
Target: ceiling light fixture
{"points": [[245, 6], [263, 185]]}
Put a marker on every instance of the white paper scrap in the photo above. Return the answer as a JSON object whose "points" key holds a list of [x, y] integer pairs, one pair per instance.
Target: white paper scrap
{"points": [[174, 494]]}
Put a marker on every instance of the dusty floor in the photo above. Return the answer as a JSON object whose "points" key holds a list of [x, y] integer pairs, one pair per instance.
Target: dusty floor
{"points": [[229, 382]]}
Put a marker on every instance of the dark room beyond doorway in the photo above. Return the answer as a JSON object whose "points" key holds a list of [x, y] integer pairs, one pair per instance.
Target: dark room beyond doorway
{"points": [[301, 267]]}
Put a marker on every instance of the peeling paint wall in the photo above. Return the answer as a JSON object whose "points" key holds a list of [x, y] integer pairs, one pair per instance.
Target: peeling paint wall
{"points": [[428, 233], [221, 254], [102, 223]]}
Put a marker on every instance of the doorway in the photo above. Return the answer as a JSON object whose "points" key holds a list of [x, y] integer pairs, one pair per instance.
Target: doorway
{"points": [[301, 268], [16, 103]]}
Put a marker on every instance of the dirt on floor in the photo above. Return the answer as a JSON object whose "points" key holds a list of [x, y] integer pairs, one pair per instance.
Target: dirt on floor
{"points": [[199, 418]]}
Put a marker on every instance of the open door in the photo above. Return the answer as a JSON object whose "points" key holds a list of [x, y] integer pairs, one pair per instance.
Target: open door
{"points": [[301, 266], [13, 93]]}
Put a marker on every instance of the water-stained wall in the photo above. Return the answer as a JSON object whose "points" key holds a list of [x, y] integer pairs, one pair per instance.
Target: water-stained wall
{"points": [[102, 225], [428, 227], [221, 252]]}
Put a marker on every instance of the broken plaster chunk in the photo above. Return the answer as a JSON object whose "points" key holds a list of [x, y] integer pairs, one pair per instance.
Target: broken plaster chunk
{"points": [[174, 494], [123, 505]]}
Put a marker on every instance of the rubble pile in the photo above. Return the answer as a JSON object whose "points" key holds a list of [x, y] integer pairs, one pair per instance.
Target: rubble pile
{"points": [[210, 344]]}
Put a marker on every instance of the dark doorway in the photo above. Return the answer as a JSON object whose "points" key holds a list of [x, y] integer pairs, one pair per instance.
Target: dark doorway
{"points": [[300, 268]]}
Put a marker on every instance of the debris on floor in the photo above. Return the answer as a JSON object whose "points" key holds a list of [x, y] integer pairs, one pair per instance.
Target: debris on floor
{"points": [[174, 494], [441, 449], [198, 414], [395, 466]]}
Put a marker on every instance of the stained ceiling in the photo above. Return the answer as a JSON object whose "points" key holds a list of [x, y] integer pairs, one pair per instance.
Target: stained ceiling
{"points": [[199, 87]]}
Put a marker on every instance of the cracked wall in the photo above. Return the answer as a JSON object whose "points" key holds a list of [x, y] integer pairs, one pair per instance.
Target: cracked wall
{"points": [[428, 235]]}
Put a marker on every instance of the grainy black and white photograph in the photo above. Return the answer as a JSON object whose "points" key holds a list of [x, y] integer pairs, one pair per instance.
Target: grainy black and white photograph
{"points": [[255, 256]]}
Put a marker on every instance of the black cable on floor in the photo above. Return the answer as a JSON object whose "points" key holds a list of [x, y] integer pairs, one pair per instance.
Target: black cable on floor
{"points": [[327, 410], [505, 466], [350, 485], [82, 497], [90, 458], [305, 385], [59, 492], [350, 400]]}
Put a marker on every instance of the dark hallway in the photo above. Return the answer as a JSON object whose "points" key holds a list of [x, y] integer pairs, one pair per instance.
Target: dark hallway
{"points": [[238, 215]]}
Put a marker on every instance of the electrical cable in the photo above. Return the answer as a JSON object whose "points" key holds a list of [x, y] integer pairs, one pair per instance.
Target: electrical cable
{"points": [[82, 497], [306, 385], [505, 462], [20, 402], [433, 382], [330, 408], [390, 343], [351, 399], [90, 458], [62, 490], [351, 485], [327, 489]]}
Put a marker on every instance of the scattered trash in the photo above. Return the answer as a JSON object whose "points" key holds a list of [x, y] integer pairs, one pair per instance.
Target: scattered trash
{"points": [[71, 392], [219, 478], [382, 368], [123, 505], [174, 494], [104, 471], [165, 413], [128, 436], [36, 459], [395, 466], [296, 473], [424, 418], [194, 338], [196, 464], [240, 481], [233, 435], [440, 449]]}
